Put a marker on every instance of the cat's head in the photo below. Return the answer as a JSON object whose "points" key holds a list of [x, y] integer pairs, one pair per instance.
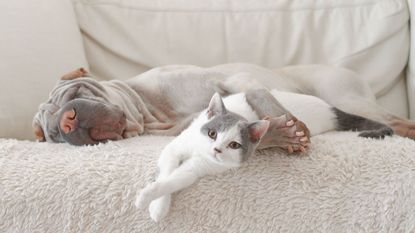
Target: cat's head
{"points": [[232, 138]]}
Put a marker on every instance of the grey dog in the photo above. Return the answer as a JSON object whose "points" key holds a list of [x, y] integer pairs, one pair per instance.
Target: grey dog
{"points": [[164, 100]]}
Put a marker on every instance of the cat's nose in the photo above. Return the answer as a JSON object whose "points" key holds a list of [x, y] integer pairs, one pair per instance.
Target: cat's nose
{"points": [[217, 150]]}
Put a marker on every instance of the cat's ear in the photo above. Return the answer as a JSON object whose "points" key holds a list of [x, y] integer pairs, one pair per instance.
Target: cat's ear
{"points": [[257, 130], [216, 106]]}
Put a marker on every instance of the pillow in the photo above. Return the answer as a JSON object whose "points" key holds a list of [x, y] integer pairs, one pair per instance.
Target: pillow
{"points": [[40, 41]]}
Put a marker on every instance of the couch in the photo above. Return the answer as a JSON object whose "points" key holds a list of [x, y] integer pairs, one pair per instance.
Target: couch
{"points": [[343, 184]]}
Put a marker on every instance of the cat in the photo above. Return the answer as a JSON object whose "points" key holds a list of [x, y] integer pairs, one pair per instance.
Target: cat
{"points": [[217, 140], [228, 132]]}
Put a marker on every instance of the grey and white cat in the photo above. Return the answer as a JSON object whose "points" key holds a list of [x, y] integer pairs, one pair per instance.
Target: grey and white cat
{"points": [[217, 140], [227, 133]]}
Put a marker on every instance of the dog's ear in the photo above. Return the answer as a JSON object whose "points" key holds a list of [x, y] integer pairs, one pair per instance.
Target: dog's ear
{"points": [[37, 129], [78, 73]]}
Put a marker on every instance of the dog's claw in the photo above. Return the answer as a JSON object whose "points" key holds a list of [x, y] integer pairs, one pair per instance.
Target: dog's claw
{"points": [[299, 134], [290, 123]]}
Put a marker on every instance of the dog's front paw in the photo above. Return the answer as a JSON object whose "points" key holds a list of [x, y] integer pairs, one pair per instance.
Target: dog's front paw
{"points": [[159, 208], [145, 196], [288, 132]]}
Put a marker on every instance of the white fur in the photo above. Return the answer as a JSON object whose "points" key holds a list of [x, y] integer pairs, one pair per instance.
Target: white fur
{"points": [[313, 111], [237, 104]]}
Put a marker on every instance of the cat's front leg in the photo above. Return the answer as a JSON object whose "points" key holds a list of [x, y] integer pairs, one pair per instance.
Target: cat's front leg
{"points": [[169, 160], [147, 195], [160, 207], [180, 178]]}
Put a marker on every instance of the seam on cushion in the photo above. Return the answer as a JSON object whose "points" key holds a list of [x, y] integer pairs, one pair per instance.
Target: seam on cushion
{"points": [[200, 10]]}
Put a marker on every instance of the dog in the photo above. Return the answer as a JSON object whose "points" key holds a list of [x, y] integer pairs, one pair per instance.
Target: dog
{"points": [[164, 100]]}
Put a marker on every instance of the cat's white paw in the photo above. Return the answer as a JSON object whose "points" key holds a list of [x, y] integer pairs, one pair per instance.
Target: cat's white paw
{"points": [[141, 201], [145, 196], [159, 208]]}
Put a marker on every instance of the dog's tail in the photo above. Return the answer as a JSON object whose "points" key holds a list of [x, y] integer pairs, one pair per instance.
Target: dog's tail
{"points": [[369, 128]]}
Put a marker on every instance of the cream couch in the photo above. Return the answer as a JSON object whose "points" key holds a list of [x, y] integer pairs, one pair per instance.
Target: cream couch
{"points": [[344, 184]]}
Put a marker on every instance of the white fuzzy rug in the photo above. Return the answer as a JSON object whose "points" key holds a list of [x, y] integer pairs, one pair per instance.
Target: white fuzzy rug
{"points": [[344, 184]]}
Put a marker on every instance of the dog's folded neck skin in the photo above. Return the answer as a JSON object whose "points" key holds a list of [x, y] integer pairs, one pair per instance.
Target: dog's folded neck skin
{"points": [[81, 110]]}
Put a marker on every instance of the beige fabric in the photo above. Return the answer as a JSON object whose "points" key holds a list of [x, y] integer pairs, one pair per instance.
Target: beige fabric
{"points": [[345, 184], [39, 42], [126, 37]]}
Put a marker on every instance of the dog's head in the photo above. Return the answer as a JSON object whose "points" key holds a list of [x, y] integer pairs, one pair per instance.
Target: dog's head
{"points": [[81, 111]]}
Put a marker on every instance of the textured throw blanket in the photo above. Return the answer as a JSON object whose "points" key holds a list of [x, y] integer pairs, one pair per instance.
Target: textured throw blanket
{"points": [[344, 183]]}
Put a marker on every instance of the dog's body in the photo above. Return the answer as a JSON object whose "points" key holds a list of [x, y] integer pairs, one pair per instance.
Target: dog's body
{"points": [[164, 100]]}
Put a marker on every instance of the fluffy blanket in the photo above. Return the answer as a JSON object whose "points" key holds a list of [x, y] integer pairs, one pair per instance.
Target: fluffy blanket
{"points": [[344, 184]]}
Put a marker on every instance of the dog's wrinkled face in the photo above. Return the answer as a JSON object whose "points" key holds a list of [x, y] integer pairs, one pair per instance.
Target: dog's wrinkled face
{"points": [[79, 111]]}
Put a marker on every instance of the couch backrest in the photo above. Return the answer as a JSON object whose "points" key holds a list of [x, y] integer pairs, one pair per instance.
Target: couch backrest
{"points": [[126, 37]]}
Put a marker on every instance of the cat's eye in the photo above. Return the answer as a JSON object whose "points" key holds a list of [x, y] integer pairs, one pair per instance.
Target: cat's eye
{"points": [[234, 145], [212, 134]]}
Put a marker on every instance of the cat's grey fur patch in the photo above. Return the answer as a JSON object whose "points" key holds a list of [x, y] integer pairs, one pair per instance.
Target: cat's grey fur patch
{"points": [[247, 144], [370, 128]]}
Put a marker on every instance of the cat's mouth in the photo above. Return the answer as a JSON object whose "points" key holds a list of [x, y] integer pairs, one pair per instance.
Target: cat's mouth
{"points": [[215, 157]]}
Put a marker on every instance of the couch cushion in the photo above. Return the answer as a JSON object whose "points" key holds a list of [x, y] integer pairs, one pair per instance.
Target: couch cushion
{"points": [[125, 37], [39, 41]]}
